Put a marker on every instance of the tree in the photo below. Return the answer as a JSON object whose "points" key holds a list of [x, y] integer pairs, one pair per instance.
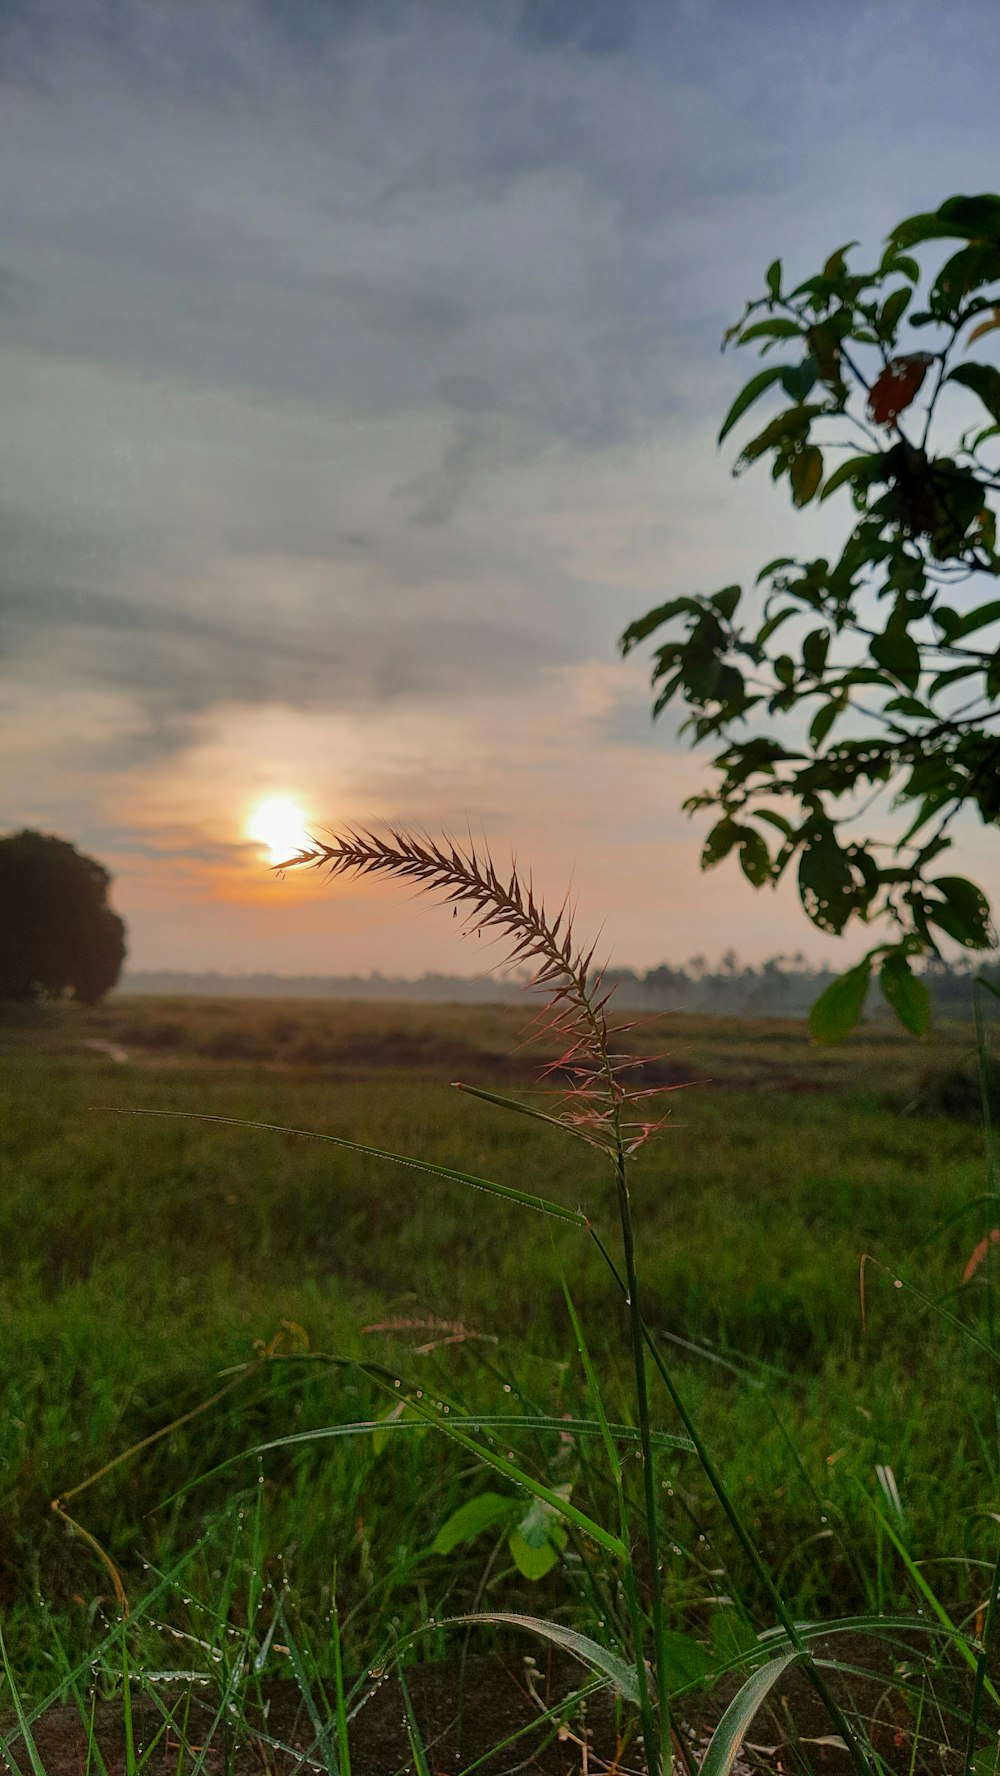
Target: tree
{"points": [[892, 644], [57, 932]]}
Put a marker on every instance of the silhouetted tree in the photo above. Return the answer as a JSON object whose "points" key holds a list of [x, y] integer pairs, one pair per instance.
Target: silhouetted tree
{"points": [[57, 932]]}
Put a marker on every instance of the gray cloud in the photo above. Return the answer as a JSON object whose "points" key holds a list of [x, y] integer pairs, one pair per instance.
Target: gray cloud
{"points": [[313, 310]]}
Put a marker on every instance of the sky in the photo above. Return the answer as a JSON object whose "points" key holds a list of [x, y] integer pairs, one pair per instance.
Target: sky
{"points": [[361, 377]]}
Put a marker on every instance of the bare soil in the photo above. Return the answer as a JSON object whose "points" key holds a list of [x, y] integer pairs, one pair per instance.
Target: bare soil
{"points": [[464, 1710]]}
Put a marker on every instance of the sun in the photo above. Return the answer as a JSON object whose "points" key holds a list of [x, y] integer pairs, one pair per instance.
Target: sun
{"points": [[280, 824]]}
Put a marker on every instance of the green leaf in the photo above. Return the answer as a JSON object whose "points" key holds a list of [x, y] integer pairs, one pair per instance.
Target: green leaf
{"points": [[732, 1636], [535, 1563], [800, 380], [549, 1495], [755, 860], [778, 820], [773, 278], [983, 380], [827, 885], [891, 313], [772, 567], [596, 1658], [644, 626], [773, 329], [976, 619], [687, 1661], [834, 267], [961, 218], [774, 623], [859, 469], [965, 915], [814, 651], [907, 995], [897, 651], [910, 706], [892, 262], [966, 271], [839, 1007], [726, 601], [746, 398], [951, 677], [472, 1518], [728, 1737], [824, 719], [537, 1541], [787, 428], [723, 836], [806, 474]]}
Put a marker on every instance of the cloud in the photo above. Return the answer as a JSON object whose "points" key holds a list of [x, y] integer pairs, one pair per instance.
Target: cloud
{"points": [[360, 365]]}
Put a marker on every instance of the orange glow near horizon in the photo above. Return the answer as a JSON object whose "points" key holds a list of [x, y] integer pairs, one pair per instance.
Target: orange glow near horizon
{"points": [[279, 824]]}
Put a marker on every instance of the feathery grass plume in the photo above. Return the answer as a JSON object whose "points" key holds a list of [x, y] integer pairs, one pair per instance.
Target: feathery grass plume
{"points": [[507, 908]]}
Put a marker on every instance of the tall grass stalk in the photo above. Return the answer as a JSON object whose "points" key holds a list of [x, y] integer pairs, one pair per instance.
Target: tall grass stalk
{"points": [[989, 1638], [599, 1104]]}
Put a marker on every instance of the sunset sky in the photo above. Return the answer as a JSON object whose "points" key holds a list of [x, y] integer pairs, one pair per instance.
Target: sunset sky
{"points": [[361, 380]]}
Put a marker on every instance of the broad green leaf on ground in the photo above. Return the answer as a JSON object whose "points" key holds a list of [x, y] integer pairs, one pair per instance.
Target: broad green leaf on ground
{"points": [[688, 1662], [470, 1520], [537, 1541]]}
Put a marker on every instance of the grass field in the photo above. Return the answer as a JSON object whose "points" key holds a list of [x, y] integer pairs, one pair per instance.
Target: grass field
{"points": [[144, 1258]]}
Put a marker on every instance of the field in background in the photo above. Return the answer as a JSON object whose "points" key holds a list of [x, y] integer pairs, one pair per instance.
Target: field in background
{"points": [[143, 1259]]}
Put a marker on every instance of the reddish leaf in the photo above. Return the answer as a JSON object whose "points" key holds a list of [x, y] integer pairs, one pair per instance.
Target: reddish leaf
{"points": [[897, 386]]}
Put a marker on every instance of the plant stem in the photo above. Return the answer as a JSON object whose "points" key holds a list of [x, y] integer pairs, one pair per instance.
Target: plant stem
{"points": [[990, 1624], [714, 1478], [662, 1756]]}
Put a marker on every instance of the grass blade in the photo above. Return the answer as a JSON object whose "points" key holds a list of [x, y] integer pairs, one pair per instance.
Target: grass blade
{"points": [[931, 1595], [526, 1198], [414, 1734], [597, 1658], [22, 1719], [729, 1734], [502, 1103], [343, 1742], [321, 1728], [491, 1421]]}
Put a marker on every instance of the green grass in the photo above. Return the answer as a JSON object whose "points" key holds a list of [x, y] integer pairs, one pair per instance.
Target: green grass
{"points": [[142, 1259]]}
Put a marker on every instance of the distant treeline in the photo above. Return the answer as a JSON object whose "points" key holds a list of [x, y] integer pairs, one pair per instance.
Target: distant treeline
{"points": [[784, 986]]}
